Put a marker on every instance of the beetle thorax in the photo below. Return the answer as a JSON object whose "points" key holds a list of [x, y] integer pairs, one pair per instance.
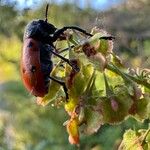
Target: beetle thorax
{"points": [[39, 29]]}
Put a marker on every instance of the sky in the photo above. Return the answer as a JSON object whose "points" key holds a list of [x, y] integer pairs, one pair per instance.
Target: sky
{"points": [[96, 4]]}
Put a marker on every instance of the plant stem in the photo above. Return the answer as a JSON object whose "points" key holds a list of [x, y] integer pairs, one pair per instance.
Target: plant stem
{"points": [[144, 136], [126, 76], [109, 92]]}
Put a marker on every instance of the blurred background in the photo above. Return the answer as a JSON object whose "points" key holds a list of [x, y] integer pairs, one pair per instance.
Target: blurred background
{"points": [[26, 126]]}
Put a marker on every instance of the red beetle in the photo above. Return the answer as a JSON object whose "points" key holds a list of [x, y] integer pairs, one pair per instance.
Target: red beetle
{"points": [[36, 63]]}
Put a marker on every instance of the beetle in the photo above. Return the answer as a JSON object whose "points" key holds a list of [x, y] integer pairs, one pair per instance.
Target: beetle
{"points": [[36, 59]]}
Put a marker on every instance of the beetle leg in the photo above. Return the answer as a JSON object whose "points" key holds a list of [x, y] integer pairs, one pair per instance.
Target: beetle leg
{"points": [[62, 84], [60, 31], [72, 46], [75, 67], [66, 49]]}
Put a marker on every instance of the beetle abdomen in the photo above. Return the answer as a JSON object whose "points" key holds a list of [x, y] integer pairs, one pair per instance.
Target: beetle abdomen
{"points": [[32, 75]]}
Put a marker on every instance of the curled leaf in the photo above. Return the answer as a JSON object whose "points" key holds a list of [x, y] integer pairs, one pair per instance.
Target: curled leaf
{"points": [[72, 129]]}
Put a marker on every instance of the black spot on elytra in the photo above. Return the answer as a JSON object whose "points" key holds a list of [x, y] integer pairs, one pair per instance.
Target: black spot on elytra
{"points": [[30, 44], [33, 69], [23, 70]]}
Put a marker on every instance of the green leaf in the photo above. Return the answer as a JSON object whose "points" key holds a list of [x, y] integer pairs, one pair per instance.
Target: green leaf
{"points": [[53, 89], [115, 114], [80, 80], [131, 141], [98, 61], [140, 109], [147, 139], [94, 120]]}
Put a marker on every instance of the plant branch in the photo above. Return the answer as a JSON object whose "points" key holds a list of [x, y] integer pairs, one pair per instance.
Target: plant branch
{"points": [[126, 76]]}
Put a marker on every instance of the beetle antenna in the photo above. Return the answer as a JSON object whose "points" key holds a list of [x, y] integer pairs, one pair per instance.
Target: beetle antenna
{"points": [[46, 12]]}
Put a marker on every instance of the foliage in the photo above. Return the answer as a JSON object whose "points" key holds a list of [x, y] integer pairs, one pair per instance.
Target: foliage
{"points": [[24, 125], [87, 107], [134, 140]]}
